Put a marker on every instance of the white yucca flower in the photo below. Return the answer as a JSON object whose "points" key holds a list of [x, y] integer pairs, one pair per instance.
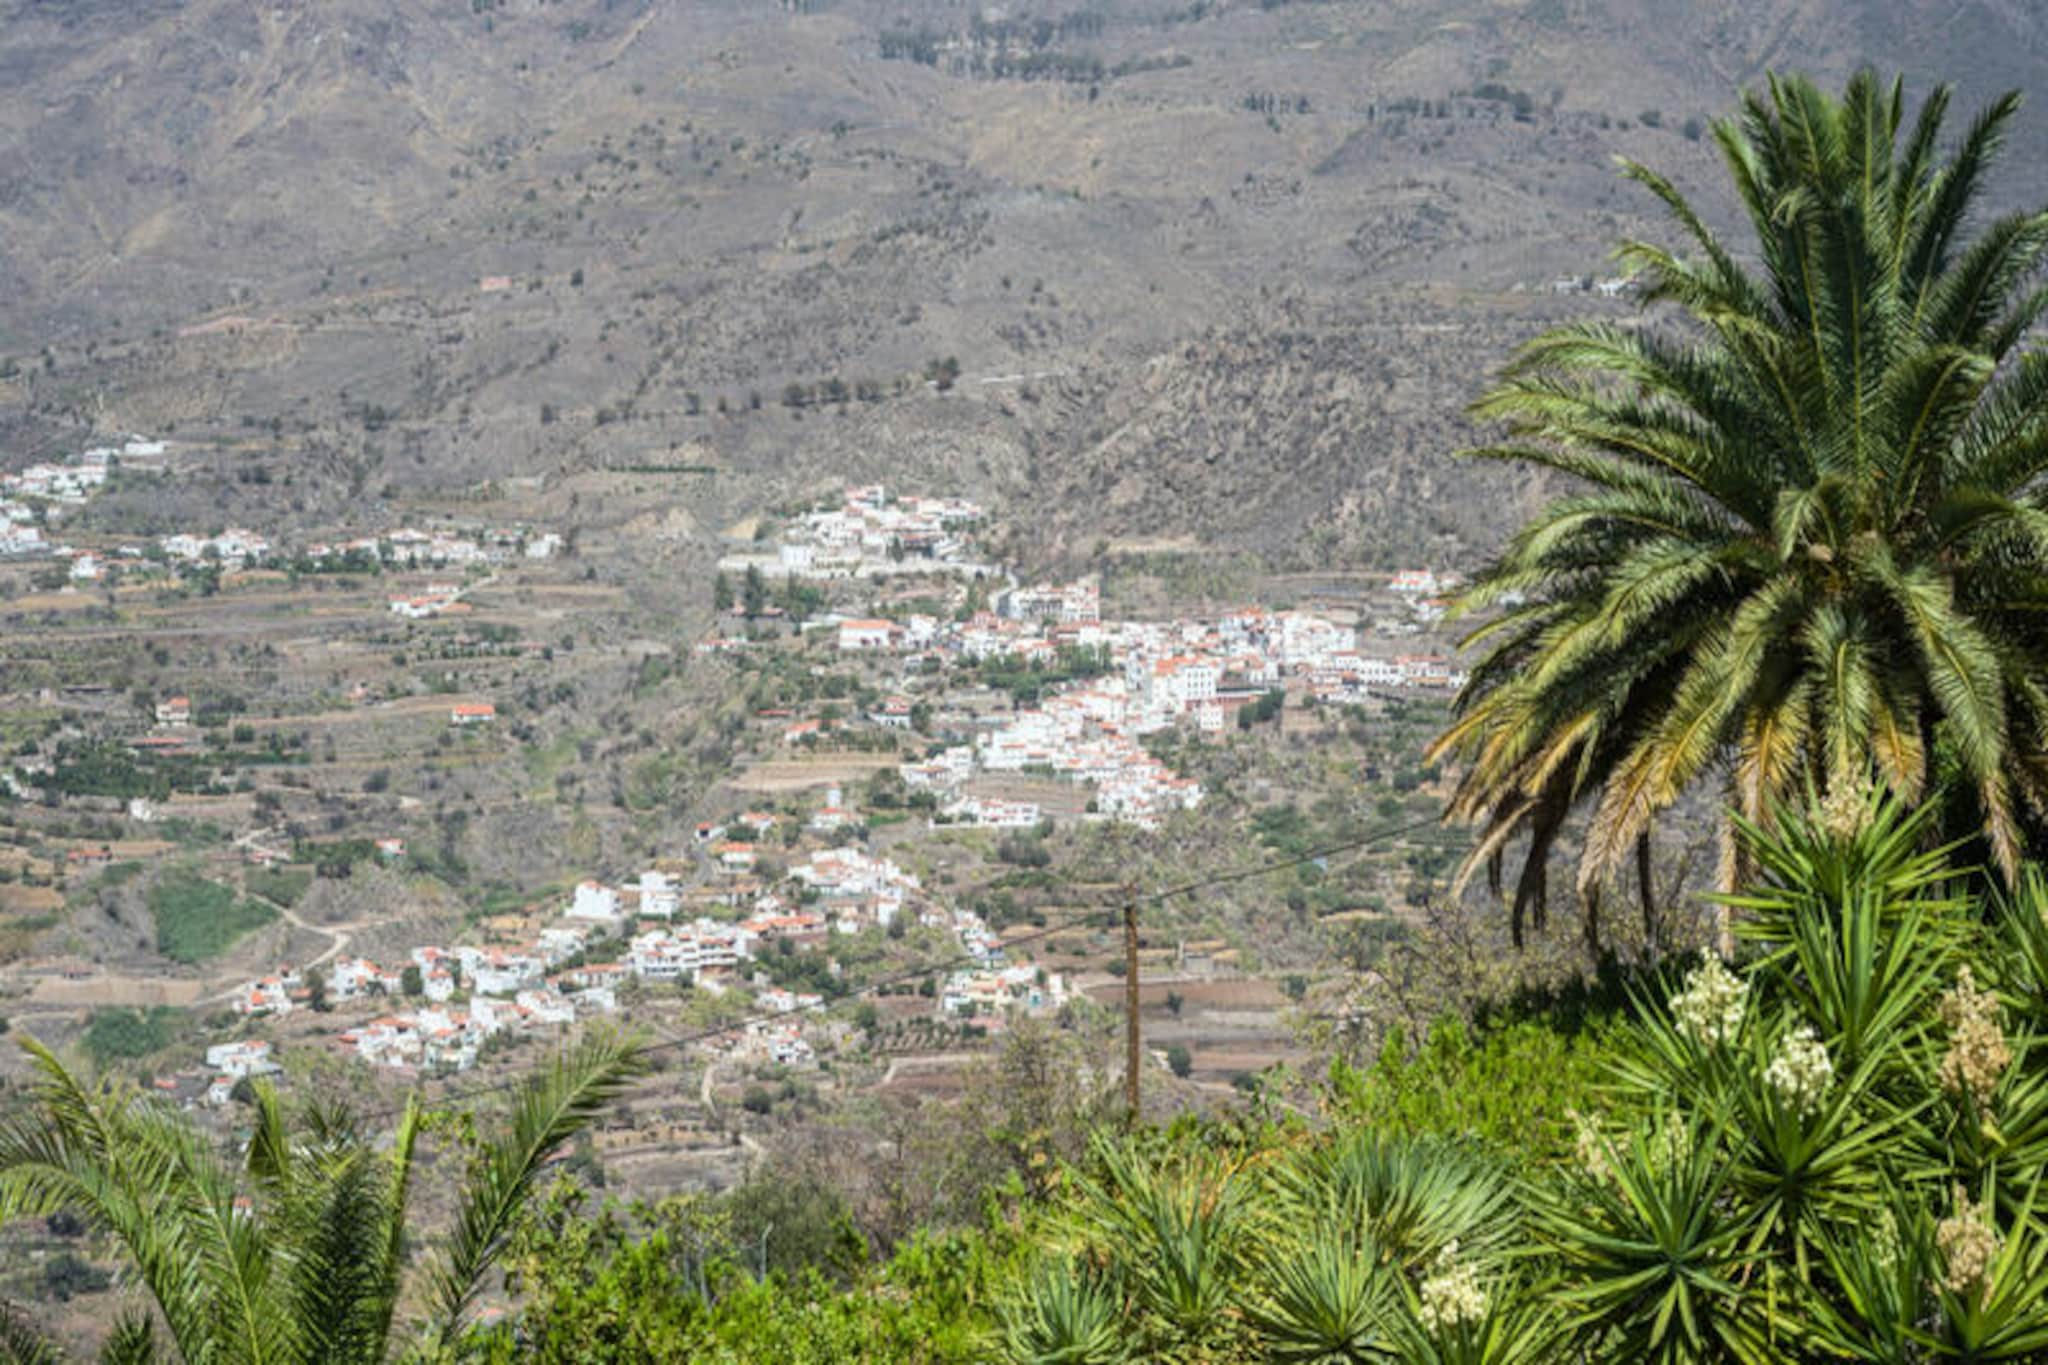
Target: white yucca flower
{"points": [[1802, 1071], [1451, 1292], [1710, 1007]]}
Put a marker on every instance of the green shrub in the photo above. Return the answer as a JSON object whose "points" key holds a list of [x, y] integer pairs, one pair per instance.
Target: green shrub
{"points": [[197, 919], [281, 886], [128, 1034]]}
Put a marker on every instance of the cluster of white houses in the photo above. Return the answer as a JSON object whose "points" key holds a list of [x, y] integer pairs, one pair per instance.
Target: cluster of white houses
{"points": [[410, 547], [234, 548], [237, 547], [870, 533], [70, 484], [1148, 676], [606, 936]]}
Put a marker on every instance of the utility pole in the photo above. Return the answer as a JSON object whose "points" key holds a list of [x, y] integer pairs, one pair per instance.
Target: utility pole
{"points": [[1131, 1047]]}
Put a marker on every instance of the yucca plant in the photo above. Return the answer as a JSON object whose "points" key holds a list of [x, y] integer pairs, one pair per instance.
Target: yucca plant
{"points": [[20, 1342], [1409, 1197], [1991, 1295], [1653, 1254], [1913, 1286], [1810, 524], [1509, 1322], [297, 1253], [1879, 1271], [1064, 1314], [1811, 1150], [2018, 961], [1174, 1231], [1327, 1299]]}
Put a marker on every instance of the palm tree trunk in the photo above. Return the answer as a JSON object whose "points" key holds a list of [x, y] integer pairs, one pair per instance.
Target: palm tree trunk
{"points": [[1732, 875], [1647, 890]]}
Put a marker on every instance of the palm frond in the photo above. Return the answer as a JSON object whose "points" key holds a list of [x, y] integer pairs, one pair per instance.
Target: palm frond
{"points": [[547, 1112]]}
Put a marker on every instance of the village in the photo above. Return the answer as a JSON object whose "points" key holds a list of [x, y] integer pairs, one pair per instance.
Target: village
{"points": [[930, 692], [1129, 679], [34, 500], [450, 1003], [868, 534], [29, 497]]}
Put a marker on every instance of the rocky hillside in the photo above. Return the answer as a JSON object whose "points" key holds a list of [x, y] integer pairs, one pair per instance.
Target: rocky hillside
{"points": [[1204, 268]]}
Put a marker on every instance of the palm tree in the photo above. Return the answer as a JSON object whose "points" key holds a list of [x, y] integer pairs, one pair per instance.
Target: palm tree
{"points": [[296, 1252], [1809, 538]]}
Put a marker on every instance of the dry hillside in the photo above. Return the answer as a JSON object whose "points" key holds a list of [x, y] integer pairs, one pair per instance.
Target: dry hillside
{"points": [[1211, 269]]}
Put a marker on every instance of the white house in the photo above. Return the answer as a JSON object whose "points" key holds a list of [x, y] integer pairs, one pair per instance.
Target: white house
{"points": [[265, 995], [734, 854], [661, 956], [597, 906], [545, 1007], [833, 814], [505, 973], [660, 898], [558, 943], [250, 1057], [350, 977], [867, 636]]}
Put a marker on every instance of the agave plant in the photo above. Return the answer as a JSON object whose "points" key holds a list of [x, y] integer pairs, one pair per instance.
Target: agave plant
{"points": [[297, 1253]]}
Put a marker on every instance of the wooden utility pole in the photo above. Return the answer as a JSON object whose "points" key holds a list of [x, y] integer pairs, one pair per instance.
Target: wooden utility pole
{"points": [[1131, 1045]]}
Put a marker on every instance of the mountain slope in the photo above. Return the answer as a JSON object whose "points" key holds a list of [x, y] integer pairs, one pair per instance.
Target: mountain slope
{"points": [[1207, 268]]}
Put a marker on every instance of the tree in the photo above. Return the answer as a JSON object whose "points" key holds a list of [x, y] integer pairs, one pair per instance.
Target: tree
{"points": [[67, 1274], [1179, 1061], [1809, 539], [316, 1268], [721, 593], [1175, 1001], [754, 592], [411, 984]]}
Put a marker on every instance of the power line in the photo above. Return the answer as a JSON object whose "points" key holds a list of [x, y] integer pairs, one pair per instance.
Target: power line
{"points": [[962, 958], [1313, 855]]}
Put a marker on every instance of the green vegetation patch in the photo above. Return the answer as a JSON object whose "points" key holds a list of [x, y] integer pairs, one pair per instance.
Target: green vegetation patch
{"points": [[197, 919], [128, 1034], [281, 886]]}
